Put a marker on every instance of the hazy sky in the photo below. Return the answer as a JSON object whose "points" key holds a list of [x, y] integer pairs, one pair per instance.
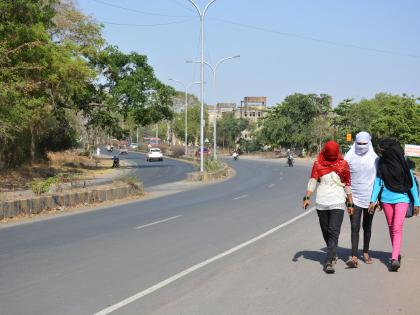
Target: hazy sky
{"points": [[348, 49]]}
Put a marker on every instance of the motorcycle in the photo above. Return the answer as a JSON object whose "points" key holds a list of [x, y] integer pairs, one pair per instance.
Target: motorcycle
{"points": [[290, 161], [110, 148], [235, 156], [115, 162]]}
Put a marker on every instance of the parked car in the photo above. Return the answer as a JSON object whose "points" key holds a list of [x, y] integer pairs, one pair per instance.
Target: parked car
{"points": [[134, 145], [154, 154], [206, 152], [123, 149]]}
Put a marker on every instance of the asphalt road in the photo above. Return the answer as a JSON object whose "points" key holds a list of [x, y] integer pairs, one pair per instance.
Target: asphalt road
{"points": [[178, 255], [155, 173]]}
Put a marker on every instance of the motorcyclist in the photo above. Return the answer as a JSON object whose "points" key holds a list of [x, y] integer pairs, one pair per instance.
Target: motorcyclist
{"points": [[235, 155], [115, 161], [289, 157]]}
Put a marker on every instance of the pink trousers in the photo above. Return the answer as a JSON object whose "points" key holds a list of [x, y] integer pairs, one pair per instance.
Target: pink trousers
{"points": [[395, 215]]}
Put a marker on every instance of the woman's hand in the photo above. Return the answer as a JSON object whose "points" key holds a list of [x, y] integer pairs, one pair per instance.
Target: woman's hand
{"points": [[350, 210], [306, 204], [371, 208], [416, 210]]}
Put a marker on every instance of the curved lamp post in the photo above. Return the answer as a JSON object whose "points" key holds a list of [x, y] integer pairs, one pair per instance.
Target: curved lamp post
{"points": [[202, 14], [214, 70]]}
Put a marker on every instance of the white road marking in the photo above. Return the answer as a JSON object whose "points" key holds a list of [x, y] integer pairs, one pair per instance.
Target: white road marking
{"points": [[187, 271], [157, 222], [240, 197], [271, 185]]}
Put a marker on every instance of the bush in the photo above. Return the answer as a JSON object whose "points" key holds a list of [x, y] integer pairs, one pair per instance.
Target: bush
{"points": [[43, 186], [178, 151], [212, 165]]}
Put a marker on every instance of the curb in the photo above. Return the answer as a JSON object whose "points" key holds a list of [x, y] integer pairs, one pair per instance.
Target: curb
{"points": [[36, 205], [206, 177]]}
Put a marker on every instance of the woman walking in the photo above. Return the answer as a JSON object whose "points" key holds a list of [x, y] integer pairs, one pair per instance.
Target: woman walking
{"points": [[333, 174], [362, 160], [394, 186]]}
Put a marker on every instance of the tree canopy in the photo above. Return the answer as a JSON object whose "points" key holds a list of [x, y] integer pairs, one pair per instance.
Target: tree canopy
{"points": [[57, 74]]}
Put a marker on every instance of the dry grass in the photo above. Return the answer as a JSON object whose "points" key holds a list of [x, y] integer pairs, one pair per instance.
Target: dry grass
{"points": [[70, 158], [68, 164]]}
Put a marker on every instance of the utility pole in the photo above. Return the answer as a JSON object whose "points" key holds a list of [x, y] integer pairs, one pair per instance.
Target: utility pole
{"points": [[202, 15]]}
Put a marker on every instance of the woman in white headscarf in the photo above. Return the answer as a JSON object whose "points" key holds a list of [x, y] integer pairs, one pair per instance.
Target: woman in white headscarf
{"points": [[362, 160]]}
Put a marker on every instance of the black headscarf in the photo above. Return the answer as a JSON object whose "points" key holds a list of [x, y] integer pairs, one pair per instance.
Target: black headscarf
{"points": [[393, 168]]}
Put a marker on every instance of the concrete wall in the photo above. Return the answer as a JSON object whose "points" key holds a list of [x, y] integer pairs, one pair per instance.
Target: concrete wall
{"points": [[59, 201]]}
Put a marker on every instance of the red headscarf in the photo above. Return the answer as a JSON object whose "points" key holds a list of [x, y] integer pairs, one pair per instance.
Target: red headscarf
{"points": [[330, 160]]}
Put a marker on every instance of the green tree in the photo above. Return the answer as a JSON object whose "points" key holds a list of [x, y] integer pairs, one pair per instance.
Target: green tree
{"points": [[43, 74], [229, 130], [385, 115], [131, 88], [193, 124], [301, 120]]}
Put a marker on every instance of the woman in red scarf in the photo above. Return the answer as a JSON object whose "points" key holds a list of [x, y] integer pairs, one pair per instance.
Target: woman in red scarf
{"points": [[333, 174]]}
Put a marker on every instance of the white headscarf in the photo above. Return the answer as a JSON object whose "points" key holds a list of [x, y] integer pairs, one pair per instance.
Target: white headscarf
{"points": [[362, 161]]}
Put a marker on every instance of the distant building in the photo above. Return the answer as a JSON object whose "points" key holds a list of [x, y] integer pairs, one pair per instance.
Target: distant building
{"points": [[217, 111], [252, 108]]}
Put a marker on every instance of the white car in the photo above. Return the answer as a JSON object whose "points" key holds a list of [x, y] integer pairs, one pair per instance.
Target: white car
{"points": [[154, 154]]}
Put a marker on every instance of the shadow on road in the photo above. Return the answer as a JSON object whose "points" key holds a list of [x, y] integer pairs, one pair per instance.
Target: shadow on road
{"points": [[342, 253]]}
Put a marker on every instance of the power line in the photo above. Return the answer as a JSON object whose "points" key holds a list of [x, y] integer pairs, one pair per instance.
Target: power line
{"points": [[183, 6], [319, 40], [141, 12], [258, 28], [147, 25]]}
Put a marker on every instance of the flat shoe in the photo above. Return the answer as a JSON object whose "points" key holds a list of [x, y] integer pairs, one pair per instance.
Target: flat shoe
{"points": [[352, 263], [368, 261]]}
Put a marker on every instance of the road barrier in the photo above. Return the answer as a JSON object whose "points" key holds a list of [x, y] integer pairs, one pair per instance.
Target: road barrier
{"points": [[36, 205]]}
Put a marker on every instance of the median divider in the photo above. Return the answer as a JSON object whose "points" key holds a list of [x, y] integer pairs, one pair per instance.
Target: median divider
{"points": [[208, 176], [73, 198]]}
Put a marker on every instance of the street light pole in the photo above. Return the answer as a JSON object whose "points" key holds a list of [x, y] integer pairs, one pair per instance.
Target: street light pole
{"points": [[185, 109], [202, 14], [214, 70]]}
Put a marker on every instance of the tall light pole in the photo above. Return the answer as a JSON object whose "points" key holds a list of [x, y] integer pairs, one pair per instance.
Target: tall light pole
{"points": [[214, 70], [202, 14], [186, 108]]}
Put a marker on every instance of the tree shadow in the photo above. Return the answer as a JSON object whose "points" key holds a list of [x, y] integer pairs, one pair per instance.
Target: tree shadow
{"points": [[342, 254]]}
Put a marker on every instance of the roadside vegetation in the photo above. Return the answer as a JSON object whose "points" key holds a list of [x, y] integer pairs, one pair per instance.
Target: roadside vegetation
{"points": [[51, 98], [62, 87]]}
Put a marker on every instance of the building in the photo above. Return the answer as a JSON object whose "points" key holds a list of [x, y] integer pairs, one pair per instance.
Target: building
{"points": [[252, 108], [217, 111]]}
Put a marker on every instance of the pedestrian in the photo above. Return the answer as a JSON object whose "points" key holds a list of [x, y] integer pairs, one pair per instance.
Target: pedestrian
{"points": [[394, 187], [333, 174], [362, 160]]}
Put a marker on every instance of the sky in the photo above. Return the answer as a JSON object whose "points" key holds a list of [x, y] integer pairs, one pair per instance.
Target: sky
{"points": [[347, 49]]}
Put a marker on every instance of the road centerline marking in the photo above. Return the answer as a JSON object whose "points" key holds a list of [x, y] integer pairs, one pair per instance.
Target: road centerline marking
{"points": [[157, 222], [240, 197], [189, 270]]}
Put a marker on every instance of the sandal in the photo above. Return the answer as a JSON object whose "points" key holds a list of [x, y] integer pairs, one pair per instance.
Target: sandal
{"points": [[367, 260], [352, 263]]}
